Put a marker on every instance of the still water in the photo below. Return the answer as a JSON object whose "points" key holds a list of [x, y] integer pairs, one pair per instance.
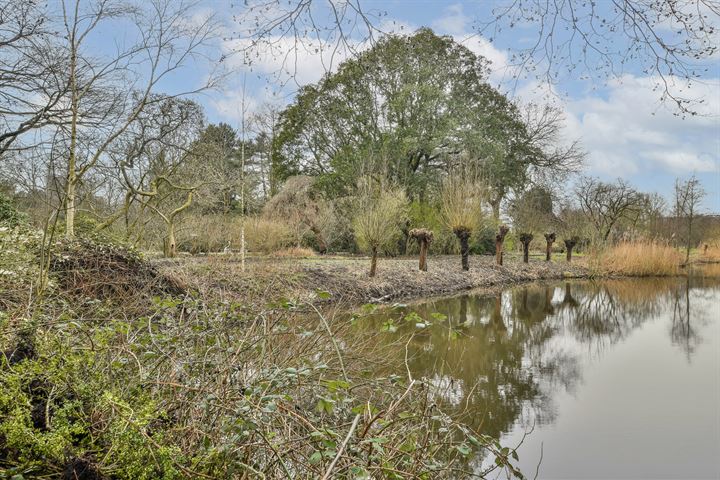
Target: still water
{"points": [[611, 379]]}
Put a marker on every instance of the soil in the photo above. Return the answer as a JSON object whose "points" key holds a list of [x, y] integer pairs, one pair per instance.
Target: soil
{"points": [[346, 278]]}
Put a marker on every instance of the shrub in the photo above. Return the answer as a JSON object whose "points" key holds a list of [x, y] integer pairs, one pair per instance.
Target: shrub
{"points": [[9, 216], [213, 233], [378, 213], [461, 209]]}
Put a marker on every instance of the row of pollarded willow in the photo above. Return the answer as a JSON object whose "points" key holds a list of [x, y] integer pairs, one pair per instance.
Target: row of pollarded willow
{"points": [[378, 208], [425, 236]]}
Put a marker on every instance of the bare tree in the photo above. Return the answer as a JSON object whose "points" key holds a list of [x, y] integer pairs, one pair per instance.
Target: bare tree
{"points": [[107, 94], [672, 41], [31, 80], [284, 31], [607, 203], [688, 195], [161, 165]]}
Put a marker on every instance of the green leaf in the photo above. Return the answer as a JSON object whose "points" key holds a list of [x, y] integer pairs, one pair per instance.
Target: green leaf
{"points": [[464, 449], [315, 458], [323, 294]]}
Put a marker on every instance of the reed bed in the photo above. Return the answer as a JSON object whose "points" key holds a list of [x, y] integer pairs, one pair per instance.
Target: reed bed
{"points": [[641, 258]]}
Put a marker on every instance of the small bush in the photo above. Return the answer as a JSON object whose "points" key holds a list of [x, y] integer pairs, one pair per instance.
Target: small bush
{"points": [[9, 216], [640, 258], [213, 233], [267, 235]]}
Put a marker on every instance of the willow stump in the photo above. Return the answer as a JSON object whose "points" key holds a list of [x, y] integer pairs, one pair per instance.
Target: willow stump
{"points": [[525, 239], [499, 239], [569, 245], [373, 261], [549, 240], [463, 235], [424, 237]]}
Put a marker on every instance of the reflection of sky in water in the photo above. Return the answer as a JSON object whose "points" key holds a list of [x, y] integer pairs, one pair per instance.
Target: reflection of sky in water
{"points": [[616, 379]]}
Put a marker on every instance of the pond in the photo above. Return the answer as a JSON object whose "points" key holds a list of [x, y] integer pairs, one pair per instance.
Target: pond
{"points": [[593, 379]]}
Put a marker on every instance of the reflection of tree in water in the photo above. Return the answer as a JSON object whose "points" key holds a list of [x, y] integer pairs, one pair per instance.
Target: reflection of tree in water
{"points": [[480, 356], [607, 312], [687, 315], [497, 360]]}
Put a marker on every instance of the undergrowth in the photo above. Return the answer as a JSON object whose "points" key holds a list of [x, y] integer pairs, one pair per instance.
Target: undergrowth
{"points": [[117, 372]]}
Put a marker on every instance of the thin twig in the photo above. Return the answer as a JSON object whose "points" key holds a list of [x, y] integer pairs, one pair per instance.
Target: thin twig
{"points": [[342, 447]]}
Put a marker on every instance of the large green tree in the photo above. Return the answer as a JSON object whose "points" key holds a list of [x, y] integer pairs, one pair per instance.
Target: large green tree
{"points": [[409, 109]]}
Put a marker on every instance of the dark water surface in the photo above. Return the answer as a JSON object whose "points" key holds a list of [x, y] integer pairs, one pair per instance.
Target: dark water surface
{"points": [[614, 379]]}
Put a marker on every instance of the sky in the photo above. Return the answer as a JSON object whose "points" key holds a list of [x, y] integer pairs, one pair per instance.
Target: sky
{"points": [[620, 121]]}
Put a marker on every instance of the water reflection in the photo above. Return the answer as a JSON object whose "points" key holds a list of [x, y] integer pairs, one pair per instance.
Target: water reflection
{"points": [[500, 360]]}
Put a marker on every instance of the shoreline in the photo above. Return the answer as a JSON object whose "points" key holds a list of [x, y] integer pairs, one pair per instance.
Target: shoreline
{"points": [[267, 280]]}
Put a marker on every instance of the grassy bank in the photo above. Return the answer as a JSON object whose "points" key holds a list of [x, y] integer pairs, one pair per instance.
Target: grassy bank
{"points": [[346, 278]]}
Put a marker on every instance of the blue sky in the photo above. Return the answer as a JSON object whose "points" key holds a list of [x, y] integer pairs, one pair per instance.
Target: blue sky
{"points": [[626, 130]]}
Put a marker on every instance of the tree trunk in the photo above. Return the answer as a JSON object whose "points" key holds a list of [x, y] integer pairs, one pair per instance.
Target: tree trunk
{"points": [[498, 252], [423, 255], [549, 240], [499, 239], [689, 238], [525, 239], [170, 245], [569, 245], [464, 236], [70, 193], [373, 262], [71, 186]]}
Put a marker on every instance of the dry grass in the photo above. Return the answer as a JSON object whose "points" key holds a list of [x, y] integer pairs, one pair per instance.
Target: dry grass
{"points": [[641, 258], [213, 233], [294, 252], [712, 253]]}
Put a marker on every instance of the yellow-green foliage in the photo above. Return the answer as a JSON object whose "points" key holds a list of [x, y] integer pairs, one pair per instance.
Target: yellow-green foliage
{"points": [[377, 215], [461, 203], [212, 233], [640, 258]]}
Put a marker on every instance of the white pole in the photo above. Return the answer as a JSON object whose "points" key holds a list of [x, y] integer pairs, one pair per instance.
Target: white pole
{"points": [[242, 181]]}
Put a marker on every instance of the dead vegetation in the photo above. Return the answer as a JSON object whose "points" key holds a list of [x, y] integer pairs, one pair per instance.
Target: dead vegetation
{"points": [[97, 271]]}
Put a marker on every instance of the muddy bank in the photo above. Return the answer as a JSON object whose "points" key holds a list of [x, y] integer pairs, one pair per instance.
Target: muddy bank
{"points": [[266, 280]]}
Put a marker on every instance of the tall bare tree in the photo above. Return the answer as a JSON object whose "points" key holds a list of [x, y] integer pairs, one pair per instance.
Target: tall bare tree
{"points": [[605, 204], [106, 94], [31, 80], [688, 195]]}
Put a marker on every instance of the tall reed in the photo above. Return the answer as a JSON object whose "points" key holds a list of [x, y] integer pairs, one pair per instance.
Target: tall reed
{"points": [[642, 258]]}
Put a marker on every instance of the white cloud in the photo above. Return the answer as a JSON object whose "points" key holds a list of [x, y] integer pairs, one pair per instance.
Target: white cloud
{"points": [[453, 21], [631, 132]]}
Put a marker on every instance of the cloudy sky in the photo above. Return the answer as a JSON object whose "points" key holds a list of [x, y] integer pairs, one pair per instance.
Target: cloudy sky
{"points": [[625, 128]]}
